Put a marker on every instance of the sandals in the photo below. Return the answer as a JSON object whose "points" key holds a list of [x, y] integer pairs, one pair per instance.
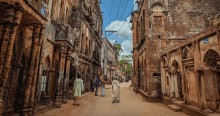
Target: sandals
{"points": [[76, 104]]}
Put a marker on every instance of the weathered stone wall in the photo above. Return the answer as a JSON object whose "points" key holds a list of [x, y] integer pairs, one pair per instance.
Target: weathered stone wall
{"points": [[162, 24], [195, 61]]}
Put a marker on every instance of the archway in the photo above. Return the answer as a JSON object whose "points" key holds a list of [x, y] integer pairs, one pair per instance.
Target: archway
{"points": [[139, 74], [72, 75], [19, 96], [210, 59], [211, 78], [55, 80], [176, 81]]}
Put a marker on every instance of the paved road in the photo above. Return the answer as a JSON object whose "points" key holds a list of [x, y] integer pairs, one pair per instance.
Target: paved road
{"points": [[131, 105]]}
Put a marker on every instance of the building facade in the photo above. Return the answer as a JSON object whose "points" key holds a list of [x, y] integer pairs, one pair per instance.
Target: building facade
{"points": [[88, 24], [45, 45], [190, 70], [158, 25], [21, 35], [58, 45], [109, 60]]}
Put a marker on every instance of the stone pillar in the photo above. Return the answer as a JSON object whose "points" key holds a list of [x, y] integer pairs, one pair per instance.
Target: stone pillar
{"points": [[36, 65], [66, 79], [173, 86], [11, 22], [29, 81], [15, 69], [61, 75], [8, 19], [176, 85]]}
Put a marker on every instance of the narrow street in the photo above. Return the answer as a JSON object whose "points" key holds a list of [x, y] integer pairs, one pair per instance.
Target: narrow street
{"points": [[131, 104]]}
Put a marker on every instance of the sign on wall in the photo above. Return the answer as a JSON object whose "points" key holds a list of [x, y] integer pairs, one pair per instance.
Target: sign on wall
{"points": [[42, 11], [206, 40]]}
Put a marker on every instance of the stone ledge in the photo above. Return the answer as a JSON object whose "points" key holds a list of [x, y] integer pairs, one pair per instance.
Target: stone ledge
{"points": [[85, 94], [148, 98], [50, 106], [166, 100], [187, 109], [174, 108], [193, 111]]}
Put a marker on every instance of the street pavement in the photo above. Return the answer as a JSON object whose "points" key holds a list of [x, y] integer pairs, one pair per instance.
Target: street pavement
{"points": [[131, 104]]}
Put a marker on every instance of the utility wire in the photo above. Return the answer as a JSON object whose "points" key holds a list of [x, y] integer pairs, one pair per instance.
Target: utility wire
{"points": [[111, 12], [124, 9], [118, 10], [125, 19]]}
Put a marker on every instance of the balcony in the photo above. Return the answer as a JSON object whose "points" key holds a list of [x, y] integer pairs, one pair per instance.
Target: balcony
{"points": [[40, 7], [65, 32], [87, 12]]}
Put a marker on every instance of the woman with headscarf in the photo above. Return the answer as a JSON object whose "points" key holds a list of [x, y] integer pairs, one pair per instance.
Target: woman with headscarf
{"points": [[115, 90]]}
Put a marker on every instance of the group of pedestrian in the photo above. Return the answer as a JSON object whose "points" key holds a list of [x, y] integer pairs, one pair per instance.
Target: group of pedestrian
{"points": [[78, 88]]}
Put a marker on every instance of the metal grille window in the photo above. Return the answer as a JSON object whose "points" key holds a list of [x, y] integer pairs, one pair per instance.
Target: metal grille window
{"points": [[44, 80], [158, 21]]}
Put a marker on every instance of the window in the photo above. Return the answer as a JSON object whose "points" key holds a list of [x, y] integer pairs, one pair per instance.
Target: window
{"points": [[67, 15], [158, 21], [44, 80]]}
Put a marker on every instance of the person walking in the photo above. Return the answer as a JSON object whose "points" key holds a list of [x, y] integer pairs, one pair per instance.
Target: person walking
{"points": [[104, 80], [115, 91], [97, 85], [78, 88]]}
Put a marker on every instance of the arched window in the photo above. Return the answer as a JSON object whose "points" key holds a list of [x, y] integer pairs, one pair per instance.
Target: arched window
{"points": [[67, 15], [62, 10], [53, 11], [158, 19], [210, 58]]}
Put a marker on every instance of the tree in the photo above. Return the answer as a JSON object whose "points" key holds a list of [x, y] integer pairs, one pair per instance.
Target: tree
{"points": [[126, 59], [118, 50]]}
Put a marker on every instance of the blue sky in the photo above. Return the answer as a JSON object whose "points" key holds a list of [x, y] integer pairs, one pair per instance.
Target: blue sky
{"points": [[116, 16]]}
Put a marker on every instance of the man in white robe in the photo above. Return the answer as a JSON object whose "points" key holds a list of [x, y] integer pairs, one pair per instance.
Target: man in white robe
{"points": [[115, 91], [78, 88]]}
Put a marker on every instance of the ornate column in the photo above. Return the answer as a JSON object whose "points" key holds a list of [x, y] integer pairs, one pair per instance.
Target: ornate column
{"points": [[61, 75], [66, 79], [28, 87], [8, 19], [36, 65], [12, 20], [16, 66]]}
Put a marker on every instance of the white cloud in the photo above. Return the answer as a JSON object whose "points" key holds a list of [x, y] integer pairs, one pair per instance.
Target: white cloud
{"points": [[126, 47], [135, 5], [123, 32], [112, 41], [123, 28]]}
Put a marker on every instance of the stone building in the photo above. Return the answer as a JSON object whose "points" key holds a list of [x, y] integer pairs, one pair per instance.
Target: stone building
{"points": [[109, 60], [88, 25], [190, 71], [58, 45], [158, 25], [21, 35], [45, 44]]}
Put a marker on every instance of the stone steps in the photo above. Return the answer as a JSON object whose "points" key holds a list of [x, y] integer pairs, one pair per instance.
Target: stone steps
{"points": [[174, 108]]}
